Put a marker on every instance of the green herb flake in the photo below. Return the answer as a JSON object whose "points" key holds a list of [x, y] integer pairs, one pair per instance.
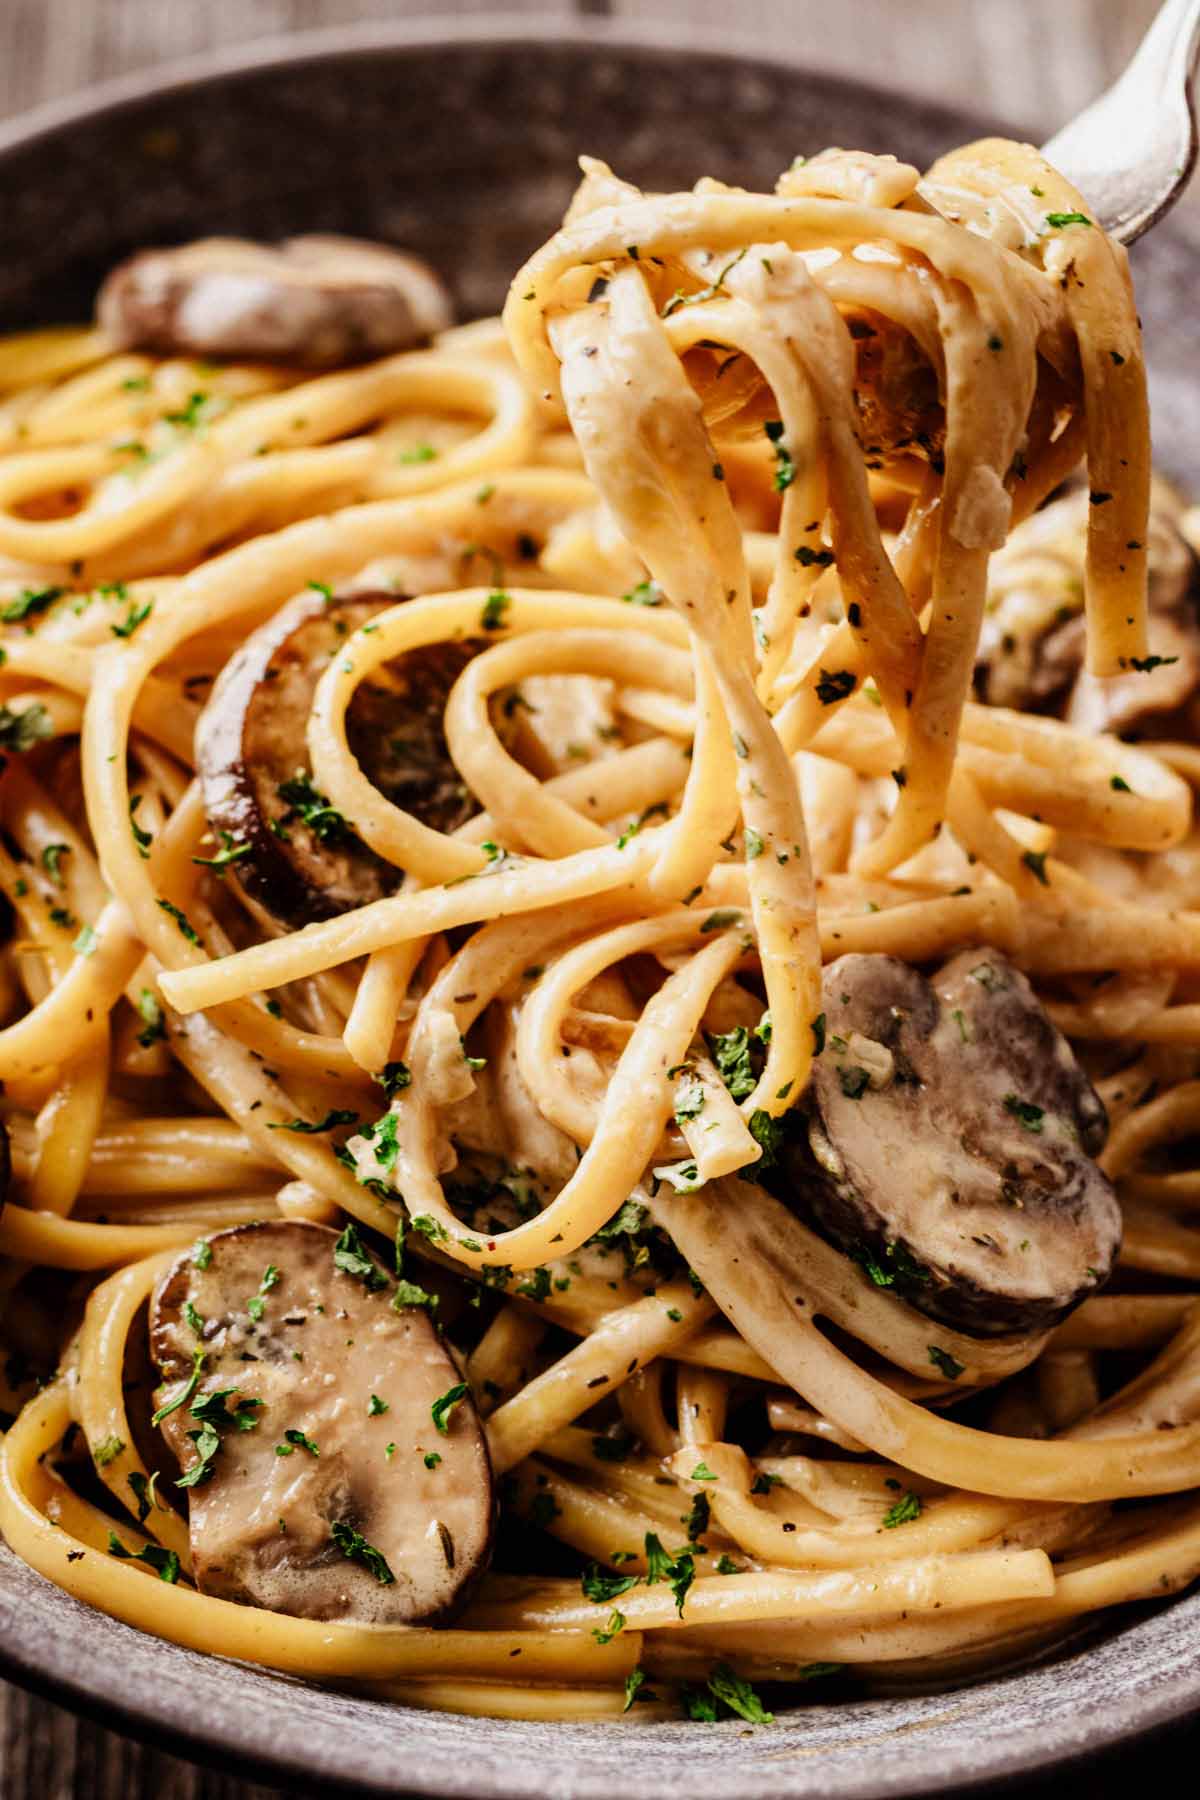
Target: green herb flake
{"points": [[905, 1510], [678, 1571], [354, 1546], [1030, 1116], [445, 1404], [165, 1563], [596, 1584], [738, 1696], [52, 856], [942, 1360], [136, 615], [181, 919], [351, 1258], [495, 606]]}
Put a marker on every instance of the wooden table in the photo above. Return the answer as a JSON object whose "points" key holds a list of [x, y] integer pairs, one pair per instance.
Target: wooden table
{"points": [[1016, 59]]}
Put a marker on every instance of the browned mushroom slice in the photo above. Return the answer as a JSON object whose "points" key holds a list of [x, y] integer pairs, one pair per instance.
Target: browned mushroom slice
{"points": [[333, 1459], [895, 390], [946, 1142], [1033, 642], [304, 860], [313, 300]]}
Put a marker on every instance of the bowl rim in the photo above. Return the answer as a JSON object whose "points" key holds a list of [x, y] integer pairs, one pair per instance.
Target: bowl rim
{"points": [[484, 30], [1033, 1747]]}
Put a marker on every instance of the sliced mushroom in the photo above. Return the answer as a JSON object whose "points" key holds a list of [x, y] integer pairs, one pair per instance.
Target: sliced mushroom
{"points": [[895, 389], [1033, 642], [312, 300], [305, 861], [333, 1493], [946, 1141]]}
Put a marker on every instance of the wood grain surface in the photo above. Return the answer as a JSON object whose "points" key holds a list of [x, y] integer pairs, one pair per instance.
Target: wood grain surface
{"points": [[1018, 59]]}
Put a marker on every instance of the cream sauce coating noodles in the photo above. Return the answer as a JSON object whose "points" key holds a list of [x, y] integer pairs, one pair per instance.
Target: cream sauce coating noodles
{"points": [[672, 589]]}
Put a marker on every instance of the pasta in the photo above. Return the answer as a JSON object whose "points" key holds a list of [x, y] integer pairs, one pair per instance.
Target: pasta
{"points": [[474, 822]]}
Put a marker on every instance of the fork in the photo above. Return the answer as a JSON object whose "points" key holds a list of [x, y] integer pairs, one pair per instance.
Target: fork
{"points": [[1130, 152]]}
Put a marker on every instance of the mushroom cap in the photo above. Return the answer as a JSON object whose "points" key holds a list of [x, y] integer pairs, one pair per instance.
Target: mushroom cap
{"points": [[947, 1141], [315, 300], [1033, 641], [251, 743], [333, 1361]]}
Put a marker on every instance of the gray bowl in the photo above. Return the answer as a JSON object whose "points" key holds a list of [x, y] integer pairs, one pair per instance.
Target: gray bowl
{"points": [[460, 142]]}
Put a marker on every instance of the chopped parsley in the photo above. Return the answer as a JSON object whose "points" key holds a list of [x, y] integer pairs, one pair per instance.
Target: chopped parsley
{"points": [[393, 1077], [1035, 860], [145, 1493], [229, 852], [335, 1116], [636, 1689], [1030, 1116], [645, 593], [52, 856], [29, 602], [19, 731], [136, 615], [141, 838], [785, 468], [768, 1134], [1057, 220], [678, 1571], [697, 1521], [907, 1508], [351, 1258], [494, 608], [598, 1585], [181, 919], [738, 1696], [445, 1404], [306, 803], [731, 1054], [107, 1451], [1143, 664], [949, 1365], [296, 1440], [375, 1406], [257, 1305], [354, 1546], [720, 921], [193, 1381], [214, 1416], [165, 1563], [689, 1098]]}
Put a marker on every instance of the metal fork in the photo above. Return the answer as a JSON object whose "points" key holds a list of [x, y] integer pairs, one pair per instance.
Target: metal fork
{"points": [[1130, 153]]}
